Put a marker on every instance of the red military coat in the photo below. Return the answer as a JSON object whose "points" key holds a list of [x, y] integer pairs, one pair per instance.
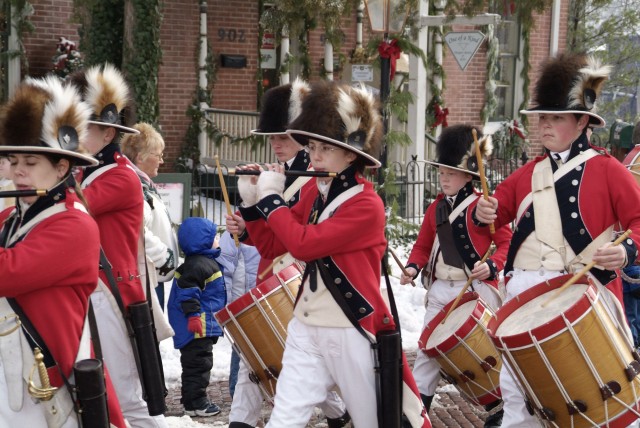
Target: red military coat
{"points": [[353, 238], [467, 235], [598, 194], [266, 261], [116, 202], [51, 273]]}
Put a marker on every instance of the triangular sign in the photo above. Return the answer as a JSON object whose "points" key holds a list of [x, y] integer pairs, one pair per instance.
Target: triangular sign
{"points": [[464, 45]]}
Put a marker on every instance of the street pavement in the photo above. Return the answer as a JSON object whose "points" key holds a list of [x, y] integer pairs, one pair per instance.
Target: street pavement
{"points": [[449, 410]]}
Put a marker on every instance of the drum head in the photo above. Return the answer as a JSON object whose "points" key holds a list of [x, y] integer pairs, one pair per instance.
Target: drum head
{"points": [[532, 314], [520, 318], [453, 323]]}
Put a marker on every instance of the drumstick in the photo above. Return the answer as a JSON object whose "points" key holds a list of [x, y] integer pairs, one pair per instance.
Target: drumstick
{"points": [[584, 270], [226, 196], [270, 267], [464, 289], [483, 179], [404, 271]]}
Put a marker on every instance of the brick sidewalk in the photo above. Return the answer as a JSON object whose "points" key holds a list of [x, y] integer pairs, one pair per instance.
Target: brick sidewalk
{"points": [[449, 410]]}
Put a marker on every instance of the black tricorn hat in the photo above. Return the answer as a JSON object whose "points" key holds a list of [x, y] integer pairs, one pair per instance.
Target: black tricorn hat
{"points": [[343, 116], [280, 106], [456, 149], [570, 83]]}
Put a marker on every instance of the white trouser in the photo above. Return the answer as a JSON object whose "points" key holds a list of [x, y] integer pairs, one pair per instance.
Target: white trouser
{"points": [[119, 360], [426, 371], [316, 359], [247, 401]]}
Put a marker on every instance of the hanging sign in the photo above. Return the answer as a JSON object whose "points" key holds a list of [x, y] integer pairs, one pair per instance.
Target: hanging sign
{"points": [[464, 45]]}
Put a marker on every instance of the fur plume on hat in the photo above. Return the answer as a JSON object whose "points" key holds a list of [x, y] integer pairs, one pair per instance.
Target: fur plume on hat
{"points": [[570, 83], [45, 117], [470, 160], [341, 115], [359, 112], [456, 148], [106, 85], [299, 90], [65, 109], [588, 84], [280, 106]]}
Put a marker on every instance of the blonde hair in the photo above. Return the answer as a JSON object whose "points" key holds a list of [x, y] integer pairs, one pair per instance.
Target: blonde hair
{"points": [[141, 144]]}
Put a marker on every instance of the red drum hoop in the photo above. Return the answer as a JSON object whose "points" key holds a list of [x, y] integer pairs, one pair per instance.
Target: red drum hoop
{"points": [[467, 357], [573, 364]]}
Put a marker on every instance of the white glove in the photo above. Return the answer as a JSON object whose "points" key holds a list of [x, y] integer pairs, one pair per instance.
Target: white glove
{"points": [[248, 191], [270, 183]]}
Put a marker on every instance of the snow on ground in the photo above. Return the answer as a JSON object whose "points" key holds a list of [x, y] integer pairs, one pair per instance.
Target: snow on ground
{"points": [[409, 300]]}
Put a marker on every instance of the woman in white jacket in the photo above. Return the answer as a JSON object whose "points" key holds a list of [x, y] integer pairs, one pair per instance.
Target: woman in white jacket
{"points": [[145, 150]]}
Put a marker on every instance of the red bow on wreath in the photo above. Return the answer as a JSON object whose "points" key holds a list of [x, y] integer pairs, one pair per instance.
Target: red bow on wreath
{"points": [[515, 128], [440, 116], [392, 51]]}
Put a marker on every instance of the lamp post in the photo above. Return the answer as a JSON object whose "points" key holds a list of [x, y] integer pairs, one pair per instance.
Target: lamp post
{"points": [[386, 17]]}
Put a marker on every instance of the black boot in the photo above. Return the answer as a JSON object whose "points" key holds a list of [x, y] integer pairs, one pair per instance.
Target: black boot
{"points": [[494, 420], [426, 400], [336, 423], [239, 425]]}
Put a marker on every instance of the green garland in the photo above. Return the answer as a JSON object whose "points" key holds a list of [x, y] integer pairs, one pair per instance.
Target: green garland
{"points": [[302, 16], [437, 70], [105, 19], [142, 63], [493, 48], [20, 19], [190, 151]]}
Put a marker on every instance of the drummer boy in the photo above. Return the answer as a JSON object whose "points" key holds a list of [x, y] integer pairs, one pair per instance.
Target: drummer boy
{"points": [[449, 248], [564, 226]]}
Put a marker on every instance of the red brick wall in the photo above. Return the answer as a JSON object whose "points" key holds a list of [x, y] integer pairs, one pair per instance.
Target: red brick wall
{"points": [[464, 90], [178, 76], [237, 88], [540, 51], [52, 19]]}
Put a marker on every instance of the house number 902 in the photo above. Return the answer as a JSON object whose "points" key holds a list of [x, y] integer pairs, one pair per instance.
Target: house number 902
{"points": [[231, 35]]}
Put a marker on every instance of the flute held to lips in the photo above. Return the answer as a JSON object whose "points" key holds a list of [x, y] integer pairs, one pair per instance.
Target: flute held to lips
{"points": [[23, 193], [289, 173]]}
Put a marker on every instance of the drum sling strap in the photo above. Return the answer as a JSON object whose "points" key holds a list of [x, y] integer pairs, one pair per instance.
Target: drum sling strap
{"points": [[435, 249]]}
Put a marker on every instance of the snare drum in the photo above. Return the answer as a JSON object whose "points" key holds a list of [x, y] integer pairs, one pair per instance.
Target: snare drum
{"points": [[575, 367], [256, 323], [467, 357], [632, 162]]}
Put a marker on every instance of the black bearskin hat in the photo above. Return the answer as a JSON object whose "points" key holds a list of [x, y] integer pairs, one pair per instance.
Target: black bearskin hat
{"points": [[570, 83], [341, 115], [456, 149], [280, 106], [45, 117]]}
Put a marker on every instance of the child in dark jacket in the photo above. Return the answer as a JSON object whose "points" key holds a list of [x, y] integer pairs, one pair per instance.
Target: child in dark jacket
{"points": [[198, 292]]}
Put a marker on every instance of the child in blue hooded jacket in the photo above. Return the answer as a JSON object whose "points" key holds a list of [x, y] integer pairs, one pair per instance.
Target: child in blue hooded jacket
{"points": [[198, 291]]}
